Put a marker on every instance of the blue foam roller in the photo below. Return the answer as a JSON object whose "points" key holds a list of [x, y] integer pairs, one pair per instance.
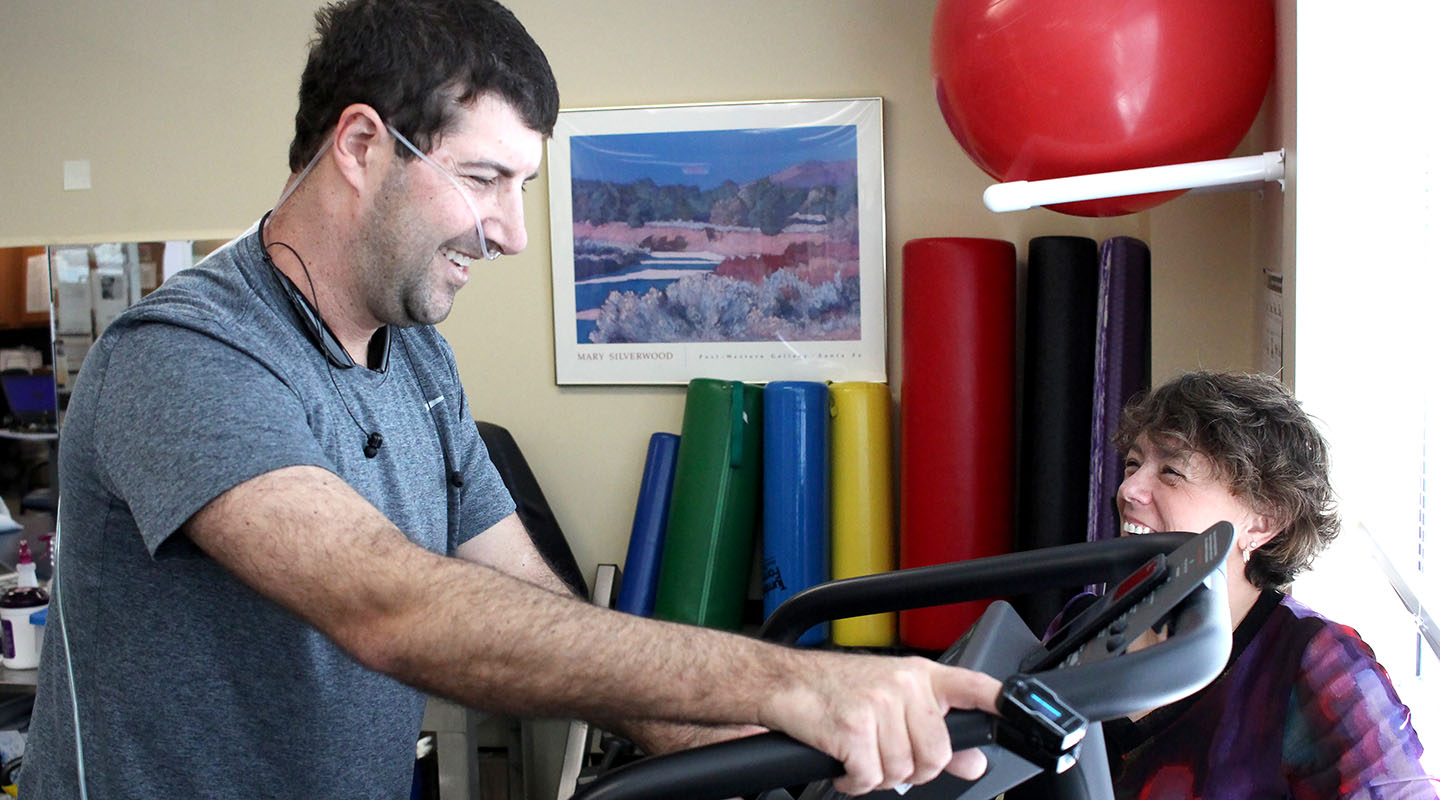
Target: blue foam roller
{"points": [[796, 537], [647, 534]]}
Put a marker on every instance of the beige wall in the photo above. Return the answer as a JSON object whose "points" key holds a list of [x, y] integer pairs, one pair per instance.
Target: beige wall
{"points": [[184, 113]]}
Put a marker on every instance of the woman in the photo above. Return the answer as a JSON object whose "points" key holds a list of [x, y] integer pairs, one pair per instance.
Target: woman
{"points": [[1303, 709]]}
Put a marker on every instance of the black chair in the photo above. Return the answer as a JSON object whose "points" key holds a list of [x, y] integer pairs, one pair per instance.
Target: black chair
{"points": [[530, 504]]}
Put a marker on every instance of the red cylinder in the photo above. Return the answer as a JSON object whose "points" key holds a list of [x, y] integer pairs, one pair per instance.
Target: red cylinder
{"points": [[957, 417]]}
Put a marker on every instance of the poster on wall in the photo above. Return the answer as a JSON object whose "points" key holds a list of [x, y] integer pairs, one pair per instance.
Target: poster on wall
{"points": [[740, 241]]}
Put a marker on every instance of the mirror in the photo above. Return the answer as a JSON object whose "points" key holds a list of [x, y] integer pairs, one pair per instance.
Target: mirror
{"points": [[29, 408], [54, 302]]}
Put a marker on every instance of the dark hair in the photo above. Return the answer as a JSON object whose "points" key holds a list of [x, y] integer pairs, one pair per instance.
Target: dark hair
{"points": [[1267, 450], [413, 61]]}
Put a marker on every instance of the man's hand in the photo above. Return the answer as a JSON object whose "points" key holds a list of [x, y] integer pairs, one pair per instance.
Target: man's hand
{"points": [[884, 718]]}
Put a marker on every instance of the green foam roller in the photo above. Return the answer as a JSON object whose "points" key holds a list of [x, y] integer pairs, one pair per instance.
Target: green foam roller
{"points": [[710, 534]]}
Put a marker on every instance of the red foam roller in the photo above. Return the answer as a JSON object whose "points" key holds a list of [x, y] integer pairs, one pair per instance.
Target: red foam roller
{"points": [[957, 417]]}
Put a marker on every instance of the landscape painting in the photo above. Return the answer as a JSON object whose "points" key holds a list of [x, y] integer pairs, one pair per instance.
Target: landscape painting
{"points": [[710, 245]]}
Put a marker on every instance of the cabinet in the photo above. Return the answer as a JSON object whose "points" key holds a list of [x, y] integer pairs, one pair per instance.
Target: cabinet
{"points": [[14, 289]]}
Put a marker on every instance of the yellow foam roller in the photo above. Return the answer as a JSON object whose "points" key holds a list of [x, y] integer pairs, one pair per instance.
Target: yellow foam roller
{"points": [[862, 530]]}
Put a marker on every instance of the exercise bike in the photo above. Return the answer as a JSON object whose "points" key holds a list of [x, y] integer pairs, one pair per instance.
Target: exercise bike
{"points": [[1076, 679]]}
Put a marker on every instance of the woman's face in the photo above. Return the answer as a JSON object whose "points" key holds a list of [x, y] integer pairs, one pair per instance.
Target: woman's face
{"points": [[1169, 491]]}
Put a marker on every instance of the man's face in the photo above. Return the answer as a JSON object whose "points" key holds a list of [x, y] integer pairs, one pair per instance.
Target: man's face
{"points": [[419, 239]]}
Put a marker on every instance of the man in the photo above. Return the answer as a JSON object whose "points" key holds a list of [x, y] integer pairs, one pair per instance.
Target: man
{"points": [[280, 523]]}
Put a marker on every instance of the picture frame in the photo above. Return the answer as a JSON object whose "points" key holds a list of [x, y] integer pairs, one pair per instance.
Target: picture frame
{"points": [[738, 241]]}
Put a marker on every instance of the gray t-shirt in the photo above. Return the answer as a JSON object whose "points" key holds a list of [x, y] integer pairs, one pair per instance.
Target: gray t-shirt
{"points": [[190, 684]]}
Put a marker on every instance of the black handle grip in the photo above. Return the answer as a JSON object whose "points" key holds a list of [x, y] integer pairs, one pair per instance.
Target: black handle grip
{"points": [[749, 765], [976, 579]]}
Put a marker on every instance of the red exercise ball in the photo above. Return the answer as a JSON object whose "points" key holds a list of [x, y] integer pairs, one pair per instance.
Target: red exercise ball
{"points": [[1038, 89]]}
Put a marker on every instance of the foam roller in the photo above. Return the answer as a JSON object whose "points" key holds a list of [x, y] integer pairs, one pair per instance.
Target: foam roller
{"points": [[1054, 490], [1122, 369], [862, 535], [710, 533], [957, 417], [647, 532], [796, 538]]}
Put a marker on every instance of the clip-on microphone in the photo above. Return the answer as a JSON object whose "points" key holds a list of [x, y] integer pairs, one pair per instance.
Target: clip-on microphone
{"points": [[372, 444]]}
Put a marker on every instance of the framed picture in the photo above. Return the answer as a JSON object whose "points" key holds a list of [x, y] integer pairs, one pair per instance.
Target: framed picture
{"points": [[740, 241]]}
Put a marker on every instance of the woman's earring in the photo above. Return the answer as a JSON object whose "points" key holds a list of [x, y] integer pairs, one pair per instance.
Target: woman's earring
{"points": [[1246, 551]]}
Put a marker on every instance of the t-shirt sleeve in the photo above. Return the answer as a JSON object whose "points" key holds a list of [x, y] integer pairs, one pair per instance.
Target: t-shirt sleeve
{"points": [[185, 417], [1347, 733]]}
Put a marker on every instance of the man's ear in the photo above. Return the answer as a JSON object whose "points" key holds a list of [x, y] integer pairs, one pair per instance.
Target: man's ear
{"points": [[361, 144]]}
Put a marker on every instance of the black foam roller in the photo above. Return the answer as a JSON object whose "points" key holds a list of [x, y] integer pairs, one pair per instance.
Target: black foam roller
{"points": [[1053, 485]]}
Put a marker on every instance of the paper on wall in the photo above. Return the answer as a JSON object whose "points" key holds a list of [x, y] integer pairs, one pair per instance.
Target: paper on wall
{"points": [[178, 256], [70, 272], [109, 295], [37, 284], [1272, 356], [70, 352]]}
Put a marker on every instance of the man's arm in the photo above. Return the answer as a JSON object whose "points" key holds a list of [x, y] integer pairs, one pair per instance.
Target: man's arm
{"points": [[507, 546], [305, 539]]}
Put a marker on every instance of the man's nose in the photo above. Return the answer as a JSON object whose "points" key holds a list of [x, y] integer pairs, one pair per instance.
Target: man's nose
{"points": [[507, 227]]}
